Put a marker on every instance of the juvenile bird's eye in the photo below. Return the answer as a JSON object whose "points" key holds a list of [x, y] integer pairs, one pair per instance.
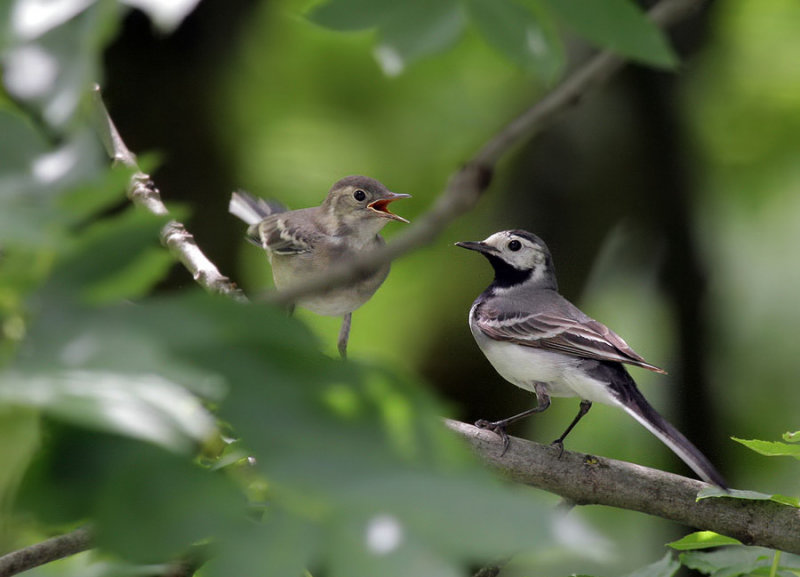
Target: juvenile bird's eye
{"points": [[514, 245], [359, 195]]}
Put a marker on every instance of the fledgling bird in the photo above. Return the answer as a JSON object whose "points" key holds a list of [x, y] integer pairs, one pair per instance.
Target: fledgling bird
{"points": [[541, 342], [300, 244]]}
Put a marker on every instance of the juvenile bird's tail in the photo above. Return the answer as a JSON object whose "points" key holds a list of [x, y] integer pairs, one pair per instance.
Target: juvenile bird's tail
{"points": [[251, 209], [637, 406]]}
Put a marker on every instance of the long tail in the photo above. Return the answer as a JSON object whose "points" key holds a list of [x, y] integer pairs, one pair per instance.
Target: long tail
{"points": [[251, 209], [637, 406], [629, 397]]}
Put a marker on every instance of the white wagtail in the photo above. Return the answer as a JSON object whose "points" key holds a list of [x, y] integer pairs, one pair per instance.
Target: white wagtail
{"points": [[302, 243], [539, 341]]}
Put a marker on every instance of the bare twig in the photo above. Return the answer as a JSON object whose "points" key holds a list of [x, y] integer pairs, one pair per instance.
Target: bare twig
{"points": [[467, 184], [45, 552], [589, 480], [143, 192]]}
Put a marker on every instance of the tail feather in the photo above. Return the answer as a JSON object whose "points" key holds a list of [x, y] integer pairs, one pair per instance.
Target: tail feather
{"points": [[251, 209], [637, 406]]}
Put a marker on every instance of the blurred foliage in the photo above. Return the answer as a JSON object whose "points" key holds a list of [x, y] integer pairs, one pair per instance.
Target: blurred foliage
{"points": [[183, 420]]}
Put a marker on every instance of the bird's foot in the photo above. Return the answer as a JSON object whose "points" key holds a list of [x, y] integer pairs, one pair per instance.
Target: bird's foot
{"points": [[497, 427], [558, 444]]}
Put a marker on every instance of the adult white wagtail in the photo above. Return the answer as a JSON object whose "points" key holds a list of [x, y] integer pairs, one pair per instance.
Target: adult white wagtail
{"points": [[302, 243], [539, 341]]}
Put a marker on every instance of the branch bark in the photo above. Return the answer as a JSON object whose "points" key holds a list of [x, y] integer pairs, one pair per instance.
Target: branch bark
{"points": [[45, 552], [590, 480], [142, 191]]}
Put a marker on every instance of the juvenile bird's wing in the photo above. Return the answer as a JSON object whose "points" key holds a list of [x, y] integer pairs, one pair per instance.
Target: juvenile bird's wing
{"points": [[286, 233], [564, 329]]}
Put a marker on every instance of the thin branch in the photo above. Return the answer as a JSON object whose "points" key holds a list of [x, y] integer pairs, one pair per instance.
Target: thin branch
{"points": [[589, 480], [467, 184], [45, 552], [143, 192]]}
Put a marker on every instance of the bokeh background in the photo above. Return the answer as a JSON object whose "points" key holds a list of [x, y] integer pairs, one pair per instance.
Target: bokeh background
{"points": [[670, 200]]}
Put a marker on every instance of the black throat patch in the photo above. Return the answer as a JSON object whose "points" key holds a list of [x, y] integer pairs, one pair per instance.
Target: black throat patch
{"points": [[506, 275]]}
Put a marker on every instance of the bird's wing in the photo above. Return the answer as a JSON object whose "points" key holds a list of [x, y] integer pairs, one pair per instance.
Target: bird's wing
{"points": [[282, 234], [580, 337]]}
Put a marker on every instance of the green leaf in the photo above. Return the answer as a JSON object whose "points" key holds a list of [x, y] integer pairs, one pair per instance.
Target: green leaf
{"points": [[792, 437], [619, 26], [665, 567], [709, 492], [146, 407], [771, 448], [407, 30], [738, 560], [525, 36], [350, 15], [417, 28], [52, 74], [702, 540], [114, 259]]}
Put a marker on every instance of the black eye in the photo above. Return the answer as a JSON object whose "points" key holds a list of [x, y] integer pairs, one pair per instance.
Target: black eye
{"points": [[359, 195], [514, 245]]}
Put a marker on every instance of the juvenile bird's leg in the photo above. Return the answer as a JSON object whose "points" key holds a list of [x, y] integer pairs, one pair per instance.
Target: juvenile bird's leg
{"points": [[499, 427], [584, 408], [344, 334]]}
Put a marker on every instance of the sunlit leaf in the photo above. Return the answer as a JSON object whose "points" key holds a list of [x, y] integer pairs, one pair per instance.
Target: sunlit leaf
{"points": [[792, 437], [146, 407], [165, 14], [618, 25], [702, 540], [771, 448], [29, 19], [524, 35]]}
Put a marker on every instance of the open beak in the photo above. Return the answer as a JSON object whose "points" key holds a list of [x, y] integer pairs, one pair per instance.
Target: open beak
{"points": [[381, 206], [477, 246]]}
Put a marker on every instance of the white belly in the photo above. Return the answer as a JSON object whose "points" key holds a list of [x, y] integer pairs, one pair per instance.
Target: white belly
{"points": [[526, 366]]}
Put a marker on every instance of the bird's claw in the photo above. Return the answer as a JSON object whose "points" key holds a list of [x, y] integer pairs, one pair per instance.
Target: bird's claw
{"points": [[497, 427], [559, 444]]}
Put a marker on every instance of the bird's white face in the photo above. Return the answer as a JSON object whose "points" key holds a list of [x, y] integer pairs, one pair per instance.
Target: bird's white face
{"points": [[521, 252]]}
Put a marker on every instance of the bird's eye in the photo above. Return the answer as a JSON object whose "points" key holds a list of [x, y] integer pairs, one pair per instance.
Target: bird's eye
{"points": [[514, 245], [359, 195]]}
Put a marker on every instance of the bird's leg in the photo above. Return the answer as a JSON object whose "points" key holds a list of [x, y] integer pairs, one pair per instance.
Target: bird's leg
{"points": [[290, 310], [344, 334], [499, 427], [584, 408]]}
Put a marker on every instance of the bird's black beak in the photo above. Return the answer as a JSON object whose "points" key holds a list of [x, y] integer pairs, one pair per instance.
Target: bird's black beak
{"points": [[481, 247]]}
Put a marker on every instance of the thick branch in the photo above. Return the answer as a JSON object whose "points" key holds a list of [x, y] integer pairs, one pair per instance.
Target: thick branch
{"points": [[41, 553], [589, 480], [466, 185], [143, 192]]}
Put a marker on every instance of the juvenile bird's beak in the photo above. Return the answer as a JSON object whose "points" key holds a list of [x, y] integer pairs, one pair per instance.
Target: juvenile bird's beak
{"points": [[381, 206], [481, 247]]}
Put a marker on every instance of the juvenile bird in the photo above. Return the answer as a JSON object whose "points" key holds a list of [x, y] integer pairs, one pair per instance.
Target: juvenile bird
{"points": [[300, 244], [539, 341]]}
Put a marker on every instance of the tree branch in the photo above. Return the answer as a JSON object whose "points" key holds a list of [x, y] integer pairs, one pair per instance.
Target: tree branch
{"points": [[589, 480], [467, 184], [143, 192], [45, 552]]}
